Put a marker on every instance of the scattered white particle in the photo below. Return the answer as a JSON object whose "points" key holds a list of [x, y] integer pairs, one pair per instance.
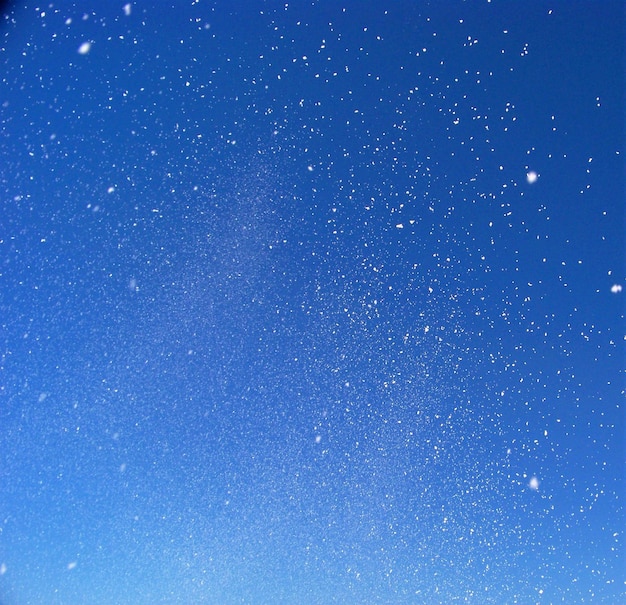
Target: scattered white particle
{"points": [[127, 8], [123, 467], [309, 168], [616, 288], [84, 48], [531, 177], [533, 483], [111, 189], [399, 226], [3, 569], [71, 565], [42, 397], [318, 438]]}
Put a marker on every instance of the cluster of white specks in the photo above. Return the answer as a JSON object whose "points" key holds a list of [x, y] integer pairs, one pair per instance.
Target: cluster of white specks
{"points": [[310, 293]]}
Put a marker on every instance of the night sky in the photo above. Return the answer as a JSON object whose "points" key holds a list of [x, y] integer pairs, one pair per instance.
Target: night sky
{"points": [[312, 303]]}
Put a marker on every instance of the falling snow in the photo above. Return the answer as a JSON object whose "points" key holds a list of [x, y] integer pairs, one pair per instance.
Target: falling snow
{"points": [[307, 304]]}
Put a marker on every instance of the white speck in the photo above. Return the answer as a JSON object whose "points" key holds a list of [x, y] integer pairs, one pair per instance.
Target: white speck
{"points": [[399, 226], [71, 565], [3, 569], [84, 48], [318, 438], [532, 177], [111, 189], [616, 288], [533, 483], [127, 8], [310, 168]]}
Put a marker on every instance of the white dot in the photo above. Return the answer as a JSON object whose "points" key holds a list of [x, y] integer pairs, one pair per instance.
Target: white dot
{"points": [[532, 177]]}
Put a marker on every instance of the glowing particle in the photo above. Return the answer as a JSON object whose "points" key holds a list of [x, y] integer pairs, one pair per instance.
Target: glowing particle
{"points": [[84, 48], [532, 177]]}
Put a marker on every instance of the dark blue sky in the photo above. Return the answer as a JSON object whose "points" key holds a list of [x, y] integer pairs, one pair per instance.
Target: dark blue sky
{"points": [[312, 303]]}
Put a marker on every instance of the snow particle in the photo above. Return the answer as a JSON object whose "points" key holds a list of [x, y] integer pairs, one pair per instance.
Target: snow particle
{"points": [[84, 48]]}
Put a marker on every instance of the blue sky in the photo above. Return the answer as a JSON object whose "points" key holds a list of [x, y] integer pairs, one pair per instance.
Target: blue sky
{"points": [[312, 302]]}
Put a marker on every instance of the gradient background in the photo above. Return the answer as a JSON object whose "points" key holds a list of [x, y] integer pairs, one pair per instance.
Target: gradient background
{"points": [[283, 319]]}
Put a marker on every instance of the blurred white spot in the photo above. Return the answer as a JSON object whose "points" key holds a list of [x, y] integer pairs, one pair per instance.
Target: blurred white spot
{"points": [[318, 438], [616, 288], [399, 226], [71, 565], [84, 48], [123, 467], [532, 177], [533, 483], [3, 569], [127, 8]]}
